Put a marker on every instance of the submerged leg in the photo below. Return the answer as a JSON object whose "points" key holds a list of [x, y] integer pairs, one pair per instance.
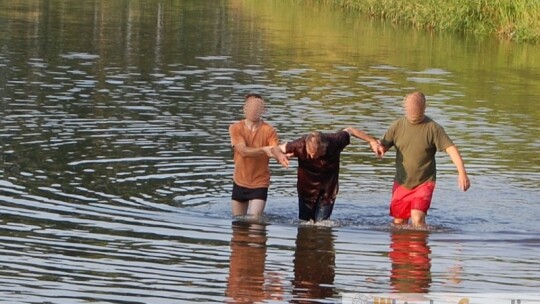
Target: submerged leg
{"points": [[256, 207], [400, 221], [323, 210], [239, 208], [305, 210], [418, 218]]}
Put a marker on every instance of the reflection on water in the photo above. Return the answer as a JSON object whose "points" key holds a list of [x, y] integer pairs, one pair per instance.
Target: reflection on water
{"points": [[115, 162], [411, 261], [246, 280], [314, 264]]}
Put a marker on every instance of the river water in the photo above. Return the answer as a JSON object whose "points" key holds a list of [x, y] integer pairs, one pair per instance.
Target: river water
{"points": [[115, 164]]}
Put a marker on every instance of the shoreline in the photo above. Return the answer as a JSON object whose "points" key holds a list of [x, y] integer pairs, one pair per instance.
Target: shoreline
{"points": [[506, 20]]}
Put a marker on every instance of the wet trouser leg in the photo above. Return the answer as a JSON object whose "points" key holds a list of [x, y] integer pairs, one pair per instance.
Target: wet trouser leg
{"points": [[316, 211]]}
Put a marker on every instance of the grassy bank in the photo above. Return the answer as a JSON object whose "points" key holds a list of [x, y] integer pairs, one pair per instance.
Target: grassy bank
{"points": [[517, 20]]}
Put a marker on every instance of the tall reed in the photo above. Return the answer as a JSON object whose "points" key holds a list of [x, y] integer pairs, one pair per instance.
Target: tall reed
{"points": [[507, 19]]}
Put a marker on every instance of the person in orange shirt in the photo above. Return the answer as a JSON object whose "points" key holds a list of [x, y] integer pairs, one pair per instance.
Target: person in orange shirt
{"points": [[254, 142]]}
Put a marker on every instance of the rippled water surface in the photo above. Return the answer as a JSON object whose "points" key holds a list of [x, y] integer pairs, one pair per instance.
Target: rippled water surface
{"points": [[115, 164]]}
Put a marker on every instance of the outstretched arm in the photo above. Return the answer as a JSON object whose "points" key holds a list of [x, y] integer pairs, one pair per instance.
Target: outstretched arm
{"points": [[463, 179], [278, 154], [373, 142], [270, 151], [246, 151]]}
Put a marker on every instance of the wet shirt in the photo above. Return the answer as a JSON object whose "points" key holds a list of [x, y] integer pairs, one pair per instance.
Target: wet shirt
{"points": [[252, 172], [321, 174], [416, 145]]}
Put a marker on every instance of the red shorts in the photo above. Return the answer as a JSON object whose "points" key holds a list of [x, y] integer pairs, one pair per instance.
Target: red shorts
{"points": [[404, 200]]}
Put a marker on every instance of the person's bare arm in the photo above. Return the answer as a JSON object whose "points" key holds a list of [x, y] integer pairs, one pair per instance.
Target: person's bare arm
{"points": [[245, 151], [270, 151], [463, 179], [279, 155], [373, 142]]}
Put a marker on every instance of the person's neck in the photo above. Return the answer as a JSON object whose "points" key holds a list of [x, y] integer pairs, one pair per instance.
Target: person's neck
{"points": [[252, 125], [418, 121]]}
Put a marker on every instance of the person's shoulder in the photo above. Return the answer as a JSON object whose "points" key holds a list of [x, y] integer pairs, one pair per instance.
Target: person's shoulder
{"points": [[266, 124], [399, 122], [235, 125], [429, 121], [343, 134], [267, 127]]}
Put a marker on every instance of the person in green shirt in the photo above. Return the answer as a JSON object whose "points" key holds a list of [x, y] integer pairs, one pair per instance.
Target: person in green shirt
{"points": [[417, 138]]}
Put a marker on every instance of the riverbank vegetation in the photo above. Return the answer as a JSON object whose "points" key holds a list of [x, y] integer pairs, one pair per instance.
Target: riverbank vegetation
{"points": [[517, 20]]}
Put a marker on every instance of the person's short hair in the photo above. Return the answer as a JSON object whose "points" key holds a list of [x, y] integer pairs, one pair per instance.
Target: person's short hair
{"points": [[254, 96], [316, 140]]}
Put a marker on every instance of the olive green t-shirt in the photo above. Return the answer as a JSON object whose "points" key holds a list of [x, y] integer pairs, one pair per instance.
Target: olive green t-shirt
{"points": [[416, 145]]}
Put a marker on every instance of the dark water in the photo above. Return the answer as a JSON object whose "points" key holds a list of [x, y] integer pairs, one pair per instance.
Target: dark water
{"points": [[115, 167]]}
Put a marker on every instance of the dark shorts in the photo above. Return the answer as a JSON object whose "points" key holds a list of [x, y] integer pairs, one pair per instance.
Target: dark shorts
{"points": [[316, 211], [243, 194]]}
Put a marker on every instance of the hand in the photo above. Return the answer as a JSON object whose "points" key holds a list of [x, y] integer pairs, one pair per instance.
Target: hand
{"points": [[283, 159], [463, 182], [374, 146], [377, 148]]}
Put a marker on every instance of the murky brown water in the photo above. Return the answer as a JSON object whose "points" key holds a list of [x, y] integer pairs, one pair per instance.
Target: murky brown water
{"points": [[115, 166]]}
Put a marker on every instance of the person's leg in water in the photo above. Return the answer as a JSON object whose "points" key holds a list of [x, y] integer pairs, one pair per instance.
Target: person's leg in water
{"points": [[418, 218], [315, 211], [323, 211], [399, 208], [239, 208], [306, 210], [411, 204], [246, 201], [421, 201]]}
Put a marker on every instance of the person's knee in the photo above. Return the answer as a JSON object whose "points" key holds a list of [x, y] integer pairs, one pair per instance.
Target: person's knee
{"points": [[256, 207], [239, 208], [400, 221], [418, 217]]}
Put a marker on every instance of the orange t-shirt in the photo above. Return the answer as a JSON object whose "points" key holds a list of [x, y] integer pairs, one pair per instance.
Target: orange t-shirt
{"points": [[252, 172]]}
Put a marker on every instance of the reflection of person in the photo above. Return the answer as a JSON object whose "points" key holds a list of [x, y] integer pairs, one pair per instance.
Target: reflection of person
{"points": [[411, 261], [247, 263], [254, 141], [314, 264], [417, 138], [318, 169]]}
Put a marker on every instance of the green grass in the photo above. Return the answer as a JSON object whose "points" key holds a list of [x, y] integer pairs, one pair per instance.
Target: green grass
{"points": [[517, 20]]}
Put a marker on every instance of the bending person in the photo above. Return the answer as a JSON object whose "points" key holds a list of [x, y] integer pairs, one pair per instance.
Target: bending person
{"points": [[318, 169]]}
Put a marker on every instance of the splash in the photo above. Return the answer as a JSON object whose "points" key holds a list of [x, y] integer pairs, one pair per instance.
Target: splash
{"points": [[324, 223]]}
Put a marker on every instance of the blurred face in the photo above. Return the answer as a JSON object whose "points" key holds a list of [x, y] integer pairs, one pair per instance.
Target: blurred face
{"points": [[414, 110], [254, 108]]}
